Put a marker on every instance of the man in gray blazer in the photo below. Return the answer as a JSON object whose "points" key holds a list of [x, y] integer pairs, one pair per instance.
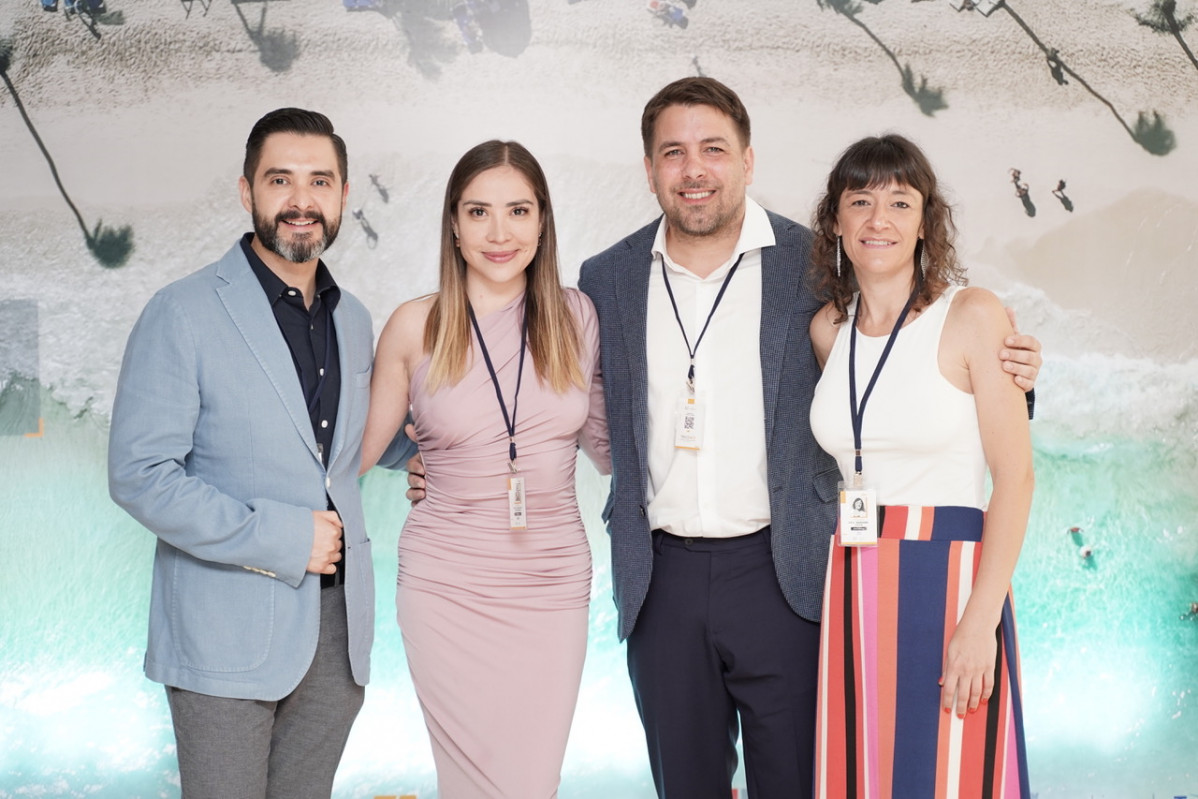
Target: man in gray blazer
{"points": [[236, 436], [722, 503]]}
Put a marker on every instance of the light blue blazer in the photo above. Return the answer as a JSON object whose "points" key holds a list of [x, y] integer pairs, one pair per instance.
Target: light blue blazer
{"points": [[802, 477], [212, 450]]}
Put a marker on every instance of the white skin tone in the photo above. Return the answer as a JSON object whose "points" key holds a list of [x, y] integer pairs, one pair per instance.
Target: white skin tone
{"points": [[699, 169], [300, 174], [498, 225], [879, 228], [296, 174]]}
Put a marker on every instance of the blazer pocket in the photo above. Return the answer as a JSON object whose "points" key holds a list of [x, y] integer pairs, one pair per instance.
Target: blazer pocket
{"points": [[222, 617], [359, 401], [826, 484]]}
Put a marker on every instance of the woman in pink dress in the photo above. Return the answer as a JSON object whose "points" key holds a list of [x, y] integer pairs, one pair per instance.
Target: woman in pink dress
{"points": [[500, 372]]}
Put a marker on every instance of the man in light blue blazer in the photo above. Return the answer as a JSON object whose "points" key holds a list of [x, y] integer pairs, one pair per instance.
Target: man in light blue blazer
{"points": [[722, 504], [235, 439]]}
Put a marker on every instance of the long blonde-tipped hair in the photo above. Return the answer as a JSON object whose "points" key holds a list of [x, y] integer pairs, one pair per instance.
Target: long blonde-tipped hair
{"points": [[554, 340]]}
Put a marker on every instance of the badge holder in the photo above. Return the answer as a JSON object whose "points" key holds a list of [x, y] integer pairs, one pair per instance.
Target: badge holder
{"points": [[515, 503], [688, 427], [858, 515]]}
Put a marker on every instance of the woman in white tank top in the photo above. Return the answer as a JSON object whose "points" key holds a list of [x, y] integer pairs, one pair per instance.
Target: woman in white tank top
{"points": [[919, 676]]}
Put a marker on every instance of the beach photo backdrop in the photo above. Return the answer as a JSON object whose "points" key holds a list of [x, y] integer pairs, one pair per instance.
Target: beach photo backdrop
{"points": [[1066, 132]]}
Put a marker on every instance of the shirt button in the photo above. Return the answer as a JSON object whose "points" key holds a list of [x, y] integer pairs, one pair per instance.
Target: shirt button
{"points": [[322, 371], [324, 422], [292, 292]]}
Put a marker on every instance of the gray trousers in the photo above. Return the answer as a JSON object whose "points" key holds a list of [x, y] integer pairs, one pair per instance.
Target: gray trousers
{"points": [[289, 749]]}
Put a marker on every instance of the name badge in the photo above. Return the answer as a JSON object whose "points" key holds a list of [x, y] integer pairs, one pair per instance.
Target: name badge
{"points": [[688, 429], [858, 517], [515, 503]]}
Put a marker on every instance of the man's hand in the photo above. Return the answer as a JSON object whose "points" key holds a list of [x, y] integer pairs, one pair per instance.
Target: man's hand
{"points": [[326, 542], [415, 468], [1021, 357]]}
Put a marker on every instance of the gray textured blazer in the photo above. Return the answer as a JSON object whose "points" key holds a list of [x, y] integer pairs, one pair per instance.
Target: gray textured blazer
{"points": [[802, 478], [211, 448]]}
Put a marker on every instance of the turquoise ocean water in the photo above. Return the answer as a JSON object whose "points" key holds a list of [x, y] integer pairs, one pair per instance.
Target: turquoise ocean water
{"points": [[1110, 665]]}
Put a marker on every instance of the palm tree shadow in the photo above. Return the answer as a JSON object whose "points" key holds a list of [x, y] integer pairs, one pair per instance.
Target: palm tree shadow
{"points": [[277, 48], [930, 100], [1162, 18], [110, 246], [1151, 134]]}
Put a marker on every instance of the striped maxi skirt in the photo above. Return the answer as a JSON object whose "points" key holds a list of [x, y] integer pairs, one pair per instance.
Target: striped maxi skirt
{"points": [[889, 612]]}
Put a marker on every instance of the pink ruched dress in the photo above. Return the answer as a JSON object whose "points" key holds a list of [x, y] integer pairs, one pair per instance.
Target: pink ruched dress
{"points": [[494, 620]]}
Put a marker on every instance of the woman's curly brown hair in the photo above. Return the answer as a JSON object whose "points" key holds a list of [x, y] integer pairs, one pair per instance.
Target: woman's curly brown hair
{"points": [[871, 163]]}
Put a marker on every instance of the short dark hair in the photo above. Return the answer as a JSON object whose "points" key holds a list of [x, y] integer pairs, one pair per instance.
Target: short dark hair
{"points": [[291, 120], [876, 162], [695, 91]]}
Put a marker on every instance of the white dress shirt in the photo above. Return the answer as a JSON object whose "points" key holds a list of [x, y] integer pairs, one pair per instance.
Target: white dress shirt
{"points": [[719, 490]]}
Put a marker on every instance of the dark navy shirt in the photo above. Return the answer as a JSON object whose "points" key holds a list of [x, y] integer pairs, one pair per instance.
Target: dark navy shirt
{"points": [[311, 337]]}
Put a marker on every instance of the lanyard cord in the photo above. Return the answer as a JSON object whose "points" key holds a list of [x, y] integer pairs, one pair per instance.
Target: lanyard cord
{"points": [[858, 412], [690, 375], [508, 421]]}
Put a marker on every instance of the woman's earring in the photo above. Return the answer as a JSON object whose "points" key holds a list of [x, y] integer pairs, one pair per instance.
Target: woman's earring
{"points": [[923, 258], [838, 257]]}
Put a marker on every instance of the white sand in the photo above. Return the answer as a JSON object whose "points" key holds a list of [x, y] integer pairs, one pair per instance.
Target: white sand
{"points": [[147, 123]]}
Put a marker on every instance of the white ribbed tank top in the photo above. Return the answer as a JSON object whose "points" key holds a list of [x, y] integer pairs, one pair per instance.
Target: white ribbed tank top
{"points": [[920, 439]]}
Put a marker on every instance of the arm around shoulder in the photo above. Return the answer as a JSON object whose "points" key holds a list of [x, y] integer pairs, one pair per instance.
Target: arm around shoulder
{"points": [[979, 323], [593, 437], [400, 347], [823, 332]]}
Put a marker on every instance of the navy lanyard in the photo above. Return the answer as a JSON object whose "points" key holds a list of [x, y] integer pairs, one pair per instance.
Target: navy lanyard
{"points": [[690, 375], [858, 412], [508, 421]]}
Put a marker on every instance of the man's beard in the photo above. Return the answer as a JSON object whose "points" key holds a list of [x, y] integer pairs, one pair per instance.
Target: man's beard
{"points": [[301, 249], [711, 221]]}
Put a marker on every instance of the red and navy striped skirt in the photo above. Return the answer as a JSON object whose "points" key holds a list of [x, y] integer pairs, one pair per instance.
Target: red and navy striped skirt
{"points": [[889, 612]]}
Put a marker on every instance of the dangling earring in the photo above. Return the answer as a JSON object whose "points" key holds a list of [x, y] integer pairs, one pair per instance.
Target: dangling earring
{"points": [[838, 257], [923, 259]]}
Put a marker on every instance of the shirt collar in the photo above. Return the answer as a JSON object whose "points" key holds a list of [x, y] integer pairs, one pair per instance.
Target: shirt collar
{"points": [[756, 233], [326, 288]]}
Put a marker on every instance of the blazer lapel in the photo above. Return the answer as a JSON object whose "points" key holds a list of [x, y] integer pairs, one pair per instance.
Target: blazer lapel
{"points": [[779, 292], [247, 306], [345, 404]]}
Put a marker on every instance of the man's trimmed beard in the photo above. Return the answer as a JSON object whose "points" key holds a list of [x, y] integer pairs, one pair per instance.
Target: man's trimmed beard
{"points": [[297, 250]]}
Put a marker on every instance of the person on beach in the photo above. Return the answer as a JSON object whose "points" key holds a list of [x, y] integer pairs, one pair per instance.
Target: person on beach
{"points": [[1021, 188], [235, 439], [919, 690], [500, 371]]}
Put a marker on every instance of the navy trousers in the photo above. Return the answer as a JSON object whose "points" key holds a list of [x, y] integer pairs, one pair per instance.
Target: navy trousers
{"points": [[717, 651]]}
